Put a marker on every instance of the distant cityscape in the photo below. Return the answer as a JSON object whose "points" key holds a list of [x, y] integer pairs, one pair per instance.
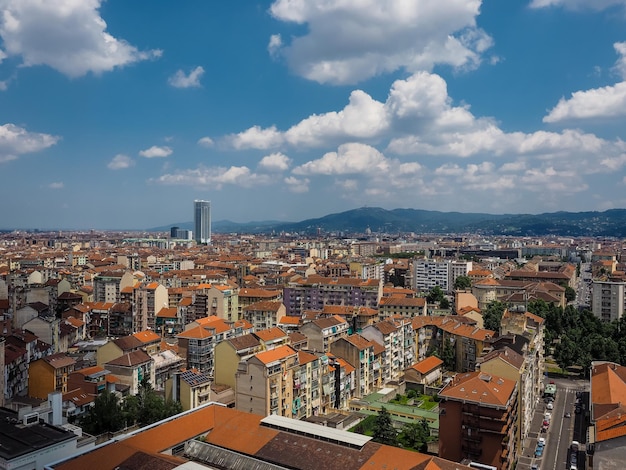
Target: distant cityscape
{"points": [[425, 349]]}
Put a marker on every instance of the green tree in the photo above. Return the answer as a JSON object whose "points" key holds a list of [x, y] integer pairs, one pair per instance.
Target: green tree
{"points": [[415, 436], [570, 294], [384, 432], [435, 295], [448, 355], [105, 415], [444, 303], [493, 315], [462, 283]]}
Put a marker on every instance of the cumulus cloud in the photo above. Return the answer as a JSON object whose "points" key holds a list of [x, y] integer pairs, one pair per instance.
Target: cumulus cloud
{"points": [[256, 137], [604, 102], [349, 158], [275, 162], [378, 36], [120, 162], [68, 35], [297, 185], [206, 142], [56, 185], [156, 152], [215, 177], [190, 80], [16, 141]]}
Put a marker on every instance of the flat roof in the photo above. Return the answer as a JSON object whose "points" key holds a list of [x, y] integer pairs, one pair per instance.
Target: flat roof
{"points": [[316, 430]]}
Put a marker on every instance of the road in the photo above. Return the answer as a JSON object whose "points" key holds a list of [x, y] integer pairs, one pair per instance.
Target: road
{"points": [[561, 432]]}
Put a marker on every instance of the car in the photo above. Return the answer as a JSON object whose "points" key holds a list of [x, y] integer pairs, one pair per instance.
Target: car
{"points": [[550, 406], [534, 467], [567, 414], [542, 441], [539, 451], [578, 410]]}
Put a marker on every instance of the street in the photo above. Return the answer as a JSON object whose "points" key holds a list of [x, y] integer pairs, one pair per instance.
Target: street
{"points": [[561, 432]]}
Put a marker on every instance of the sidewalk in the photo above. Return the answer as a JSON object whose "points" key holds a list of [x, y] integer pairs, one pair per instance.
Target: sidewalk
{"points": [[526, 456]]}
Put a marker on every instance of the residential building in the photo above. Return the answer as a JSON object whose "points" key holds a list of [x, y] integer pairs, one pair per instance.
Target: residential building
{"points": [[607, 414], [49, 374], [404, 306], [397, 338], [608, 300], [149, 299], [223, 302], [230, 352], [431, 273], [191, 388], [358, 352], [323, 331], [131, 368], [424, 373], [315, 292], [265, 314], [478, 420], [108, 285]]}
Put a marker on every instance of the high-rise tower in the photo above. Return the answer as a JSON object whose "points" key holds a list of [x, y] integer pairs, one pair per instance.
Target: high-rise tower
{"points": [[202, 221]]}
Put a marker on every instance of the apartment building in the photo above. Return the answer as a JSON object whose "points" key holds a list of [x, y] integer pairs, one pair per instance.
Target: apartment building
{"points": [[608, 299], [433, 333], [358, 352], [407, 307], [149, 299], [131, 369], [530, 327], [190, 387], [315, 292], [108, 285], [430, 273], [398, 340], [265, 314], [49, 374], [323, 331], [478, 420]]}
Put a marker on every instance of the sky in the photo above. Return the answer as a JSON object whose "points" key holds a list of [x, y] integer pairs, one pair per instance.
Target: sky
{"points": [[118, 114]]}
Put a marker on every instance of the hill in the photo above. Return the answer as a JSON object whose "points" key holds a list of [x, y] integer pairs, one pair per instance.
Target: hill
{"points": [[610, 223]]}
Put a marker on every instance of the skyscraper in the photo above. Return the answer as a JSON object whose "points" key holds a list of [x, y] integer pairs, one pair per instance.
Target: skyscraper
{"points": [[202, 221]]}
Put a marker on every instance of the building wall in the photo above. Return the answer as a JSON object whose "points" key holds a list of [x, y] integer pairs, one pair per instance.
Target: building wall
{"points": [[41, 379]]}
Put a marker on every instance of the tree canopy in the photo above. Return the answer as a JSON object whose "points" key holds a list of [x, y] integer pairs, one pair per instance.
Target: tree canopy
{"points": [[462, 283], [384, 432]]}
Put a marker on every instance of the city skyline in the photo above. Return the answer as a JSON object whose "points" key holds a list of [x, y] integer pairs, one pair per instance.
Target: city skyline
{"points": [[114, 115]]}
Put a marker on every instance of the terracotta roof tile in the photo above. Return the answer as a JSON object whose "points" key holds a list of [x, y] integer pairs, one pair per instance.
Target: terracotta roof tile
{"points": [[428, 364]]}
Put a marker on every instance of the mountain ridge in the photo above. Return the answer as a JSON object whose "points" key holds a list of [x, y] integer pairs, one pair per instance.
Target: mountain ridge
{"points": [[609, 223]]}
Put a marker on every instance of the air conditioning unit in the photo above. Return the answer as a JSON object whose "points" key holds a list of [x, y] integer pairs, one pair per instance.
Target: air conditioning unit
{"points": [[30, 418]]}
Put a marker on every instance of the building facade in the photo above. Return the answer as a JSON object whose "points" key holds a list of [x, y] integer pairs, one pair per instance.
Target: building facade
{"points": [[202, 222]]}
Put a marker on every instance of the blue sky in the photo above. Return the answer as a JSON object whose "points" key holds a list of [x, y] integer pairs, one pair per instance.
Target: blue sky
{"points": [[118, 114]]}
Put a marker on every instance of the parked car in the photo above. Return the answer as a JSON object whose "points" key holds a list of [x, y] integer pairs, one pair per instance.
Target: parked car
{"points": [[567, 414], [549, 406], [539, 451]]}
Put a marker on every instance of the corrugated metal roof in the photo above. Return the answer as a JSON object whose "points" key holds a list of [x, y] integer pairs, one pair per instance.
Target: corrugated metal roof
{"points": [[316, 431]]}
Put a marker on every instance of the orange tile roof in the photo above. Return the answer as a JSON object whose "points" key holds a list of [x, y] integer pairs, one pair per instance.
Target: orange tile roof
{"points": [[271, 334], [289, 320], [428, 364], [281, 352], [147, 336], [195, 333], [167, 312], [480, 388]]}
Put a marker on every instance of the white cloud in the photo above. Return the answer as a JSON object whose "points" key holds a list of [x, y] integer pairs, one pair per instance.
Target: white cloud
{"points": [[274, 45], [16, 141], [68, 35], [56, 185], [620, 65], [605, 102], [120, 162], [275, 162], [215, 177], [206, 142], [156, 152], [351, 158], [191, 80], [577, 4], [256, 137], [297, 185], [379, 36]]}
